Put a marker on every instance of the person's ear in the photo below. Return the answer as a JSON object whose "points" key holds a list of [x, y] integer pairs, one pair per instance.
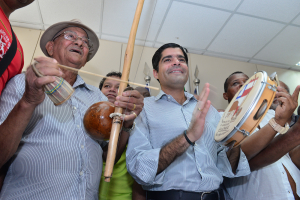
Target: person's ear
{"points": [[49, 48], [155, 74], [225, 95]]}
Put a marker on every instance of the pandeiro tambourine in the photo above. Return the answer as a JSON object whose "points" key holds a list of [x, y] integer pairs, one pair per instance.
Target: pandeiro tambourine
{"points": [[247, 109]]}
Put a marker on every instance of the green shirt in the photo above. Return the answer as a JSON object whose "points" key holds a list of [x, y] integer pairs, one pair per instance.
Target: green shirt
{"points": [[120, 185]]}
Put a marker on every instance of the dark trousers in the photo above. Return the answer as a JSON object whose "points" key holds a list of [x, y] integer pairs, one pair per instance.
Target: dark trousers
{"points": [[183, 195]]}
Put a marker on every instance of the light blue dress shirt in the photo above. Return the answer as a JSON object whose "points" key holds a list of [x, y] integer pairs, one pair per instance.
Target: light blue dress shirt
{"points": [[56, 158], [200, 168]]}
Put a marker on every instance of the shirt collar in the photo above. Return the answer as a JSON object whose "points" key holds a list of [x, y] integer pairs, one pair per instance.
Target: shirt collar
{"points": [[187, 95]]}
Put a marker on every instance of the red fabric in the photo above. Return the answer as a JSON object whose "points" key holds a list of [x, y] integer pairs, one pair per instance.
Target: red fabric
{"points": [[17, 63]]}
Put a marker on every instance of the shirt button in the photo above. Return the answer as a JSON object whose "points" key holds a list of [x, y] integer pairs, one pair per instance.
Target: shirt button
{"points": [[81, 173], [82, 146], [77, 126], [74, 108], [200, 169]]}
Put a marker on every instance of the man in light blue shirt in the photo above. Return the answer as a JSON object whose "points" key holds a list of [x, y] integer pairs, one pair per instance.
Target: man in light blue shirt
{"points": [[50, 154], [172, 151]]}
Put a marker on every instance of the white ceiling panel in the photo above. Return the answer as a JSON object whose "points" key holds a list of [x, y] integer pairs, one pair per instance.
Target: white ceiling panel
{"points": [[190, 50], [220, 55], [194, 26], [120, 24], [202, 26], [114, 38], [195, 51], [29, 14], [125, 40], [26, 25], [280, 10], [244, 36], [297, 21], [284, 48], [57, 10], [227, 5]]}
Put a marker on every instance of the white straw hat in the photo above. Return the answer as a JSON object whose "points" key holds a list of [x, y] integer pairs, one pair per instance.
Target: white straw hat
{"points": [[56, 28]]}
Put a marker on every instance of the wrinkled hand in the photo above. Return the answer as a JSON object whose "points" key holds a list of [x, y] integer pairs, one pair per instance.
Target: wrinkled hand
{"points": [[288, 105], [130, 101], [34, 93], [196, 127]]}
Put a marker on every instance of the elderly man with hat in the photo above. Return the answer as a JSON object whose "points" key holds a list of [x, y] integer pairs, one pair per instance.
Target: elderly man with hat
{"points": [[50, 154]]}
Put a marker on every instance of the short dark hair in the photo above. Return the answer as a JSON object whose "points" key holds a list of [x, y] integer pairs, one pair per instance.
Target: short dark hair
{"points": [[157, 55], [226, 81], [110, 74]]}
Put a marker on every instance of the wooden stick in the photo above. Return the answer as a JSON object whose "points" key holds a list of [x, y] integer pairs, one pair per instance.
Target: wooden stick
{"points": [[115, 129], [90, 73]]}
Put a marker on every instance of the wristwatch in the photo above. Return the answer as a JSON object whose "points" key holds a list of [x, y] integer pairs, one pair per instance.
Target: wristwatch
{"points": [[128, 130], [278, 128]]}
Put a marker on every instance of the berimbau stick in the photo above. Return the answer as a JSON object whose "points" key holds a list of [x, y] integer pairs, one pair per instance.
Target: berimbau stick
{"points": [[115, 130]]}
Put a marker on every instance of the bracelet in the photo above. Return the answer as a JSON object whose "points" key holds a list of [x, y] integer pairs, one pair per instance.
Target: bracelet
{"points": [[187, 139], [128, 130], [277, 127]]}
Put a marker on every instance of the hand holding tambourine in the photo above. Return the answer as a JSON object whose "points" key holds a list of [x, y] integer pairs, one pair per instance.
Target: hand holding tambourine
{"points": [[288, 104]]}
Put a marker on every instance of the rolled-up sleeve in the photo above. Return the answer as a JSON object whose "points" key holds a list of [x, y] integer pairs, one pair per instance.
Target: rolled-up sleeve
{"points": [[224, 166], [141, 158]]}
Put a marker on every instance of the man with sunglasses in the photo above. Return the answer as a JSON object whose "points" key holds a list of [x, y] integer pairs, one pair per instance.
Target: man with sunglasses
{"points": [[50, 154]]}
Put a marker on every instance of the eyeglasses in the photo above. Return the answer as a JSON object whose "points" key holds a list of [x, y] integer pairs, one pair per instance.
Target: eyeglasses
{"points": [[72, 36]]}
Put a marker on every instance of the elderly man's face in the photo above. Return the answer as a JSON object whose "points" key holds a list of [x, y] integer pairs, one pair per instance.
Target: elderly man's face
{"points": [[68, 52]]}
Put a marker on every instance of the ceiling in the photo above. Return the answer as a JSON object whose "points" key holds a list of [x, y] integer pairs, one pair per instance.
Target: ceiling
{"points": [[257, 31]]}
